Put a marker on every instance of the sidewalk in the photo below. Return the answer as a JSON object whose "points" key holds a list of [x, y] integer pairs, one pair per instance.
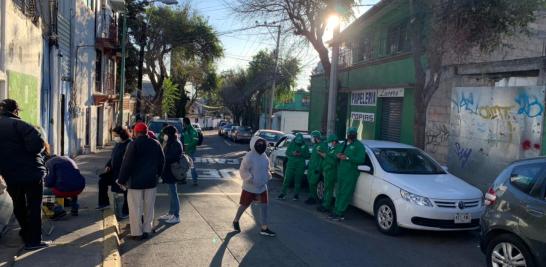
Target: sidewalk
{"points": [[87, 240]]}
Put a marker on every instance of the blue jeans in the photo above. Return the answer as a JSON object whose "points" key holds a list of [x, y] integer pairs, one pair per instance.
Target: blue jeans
{"points": [[193, 171], [175, 201]]}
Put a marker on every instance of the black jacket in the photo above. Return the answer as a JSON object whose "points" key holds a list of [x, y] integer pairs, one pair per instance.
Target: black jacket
{"points": [[117, 157], [20, 151], [173, 152], [143, 164]]}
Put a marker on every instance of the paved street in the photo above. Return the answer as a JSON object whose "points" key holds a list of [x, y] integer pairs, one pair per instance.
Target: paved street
{"points": [[305, 237]]}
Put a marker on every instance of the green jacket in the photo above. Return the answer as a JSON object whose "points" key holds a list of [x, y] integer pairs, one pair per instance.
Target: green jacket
{"points": [[292, 148], [191, 138], [329, 163], [315, 163], [356, 154]]}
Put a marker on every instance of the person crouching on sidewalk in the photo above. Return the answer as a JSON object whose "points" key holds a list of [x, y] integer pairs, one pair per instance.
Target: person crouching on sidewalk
{"points": [[65, 181], [256, 174], [140, 171]]}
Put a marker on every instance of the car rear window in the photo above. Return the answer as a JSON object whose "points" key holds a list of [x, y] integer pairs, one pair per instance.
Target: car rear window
{"points": [[526, 178]]}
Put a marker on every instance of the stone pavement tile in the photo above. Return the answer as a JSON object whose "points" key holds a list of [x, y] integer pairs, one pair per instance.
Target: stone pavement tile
{"points": [[10, 244]]}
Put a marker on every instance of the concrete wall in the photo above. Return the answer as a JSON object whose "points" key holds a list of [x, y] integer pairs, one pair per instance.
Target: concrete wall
{"points": [[288, 121], [23, 61]]}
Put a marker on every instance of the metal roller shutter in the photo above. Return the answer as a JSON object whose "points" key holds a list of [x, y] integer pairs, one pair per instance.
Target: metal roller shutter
{"points": [[391, 119]]}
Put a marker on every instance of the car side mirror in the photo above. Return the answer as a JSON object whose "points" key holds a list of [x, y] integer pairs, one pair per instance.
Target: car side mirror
{"points": [[364, 168]]}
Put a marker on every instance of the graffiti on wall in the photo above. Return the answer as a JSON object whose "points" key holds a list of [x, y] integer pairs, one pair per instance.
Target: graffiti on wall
{"points": [[491, 127], [436, 135]]}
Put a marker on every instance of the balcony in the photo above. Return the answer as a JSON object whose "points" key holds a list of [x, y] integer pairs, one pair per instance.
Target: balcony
{"points": [[107, 37]]}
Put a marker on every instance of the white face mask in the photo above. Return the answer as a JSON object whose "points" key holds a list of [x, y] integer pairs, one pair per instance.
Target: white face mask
{"points": [[165, 137], [330, 145], [117, 139]]}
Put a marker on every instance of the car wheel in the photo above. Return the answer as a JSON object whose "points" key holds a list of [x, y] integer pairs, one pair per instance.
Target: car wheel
{"points": [[385, 217], [320, 190], [508, 250]]}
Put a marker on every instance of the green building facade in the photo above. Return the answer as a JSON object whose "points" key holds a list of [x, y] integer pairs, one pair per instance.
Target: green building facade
{"points": [[375, 92]]}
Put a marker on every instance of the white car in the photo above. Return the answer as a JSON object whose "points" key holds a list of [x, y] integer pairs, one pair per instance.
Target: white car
{"points": [[403, 187], [277, 154]]}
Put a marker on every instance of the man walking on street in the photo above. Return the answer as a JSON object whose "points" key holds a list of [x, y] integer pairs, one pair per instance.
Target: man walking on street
{"points": [[329, 170], [350, 154], [297, 152], [191, 139], [255, 173], [315, 167], [22, 166], [140, 171]]}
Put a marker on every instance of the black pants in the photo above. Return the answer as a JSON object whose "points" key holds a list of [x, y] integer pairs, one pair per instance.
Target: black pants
{"points": [[104, 200], [27, 208]]}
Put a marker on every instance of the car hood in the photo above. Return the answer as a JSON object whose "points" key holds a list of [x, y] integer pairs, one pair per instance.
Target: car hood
{"points": [[436, 186]]}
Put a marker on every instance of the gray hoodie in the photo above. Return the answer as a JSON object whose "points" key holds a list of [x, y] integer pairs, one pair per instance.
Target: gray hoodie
{"points": [[255, 171]]}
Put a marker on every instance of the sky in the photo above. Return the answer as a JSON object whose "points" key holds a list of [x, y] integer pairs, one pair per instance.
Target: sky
{"points": [[240, 46]]}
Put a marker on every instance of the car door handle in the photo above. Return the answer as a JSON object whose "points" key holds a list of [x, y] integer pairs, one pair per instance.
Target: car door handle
{"points": [[535, 212]]}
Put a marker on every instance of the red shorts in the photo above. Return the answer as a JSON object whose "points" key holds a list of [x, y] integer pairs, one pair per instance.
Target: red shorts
{"points": [[247, 198]]}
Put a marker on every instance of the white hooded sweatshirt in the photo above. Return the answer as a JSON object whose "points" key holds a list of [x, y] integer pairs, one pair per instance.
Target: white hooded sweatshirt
{"points": [[255, 170]]}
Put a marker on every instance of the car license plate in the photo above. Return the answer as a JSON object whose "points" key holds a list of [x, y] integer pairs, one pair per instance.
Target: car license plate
{"points": [[463, 218]]}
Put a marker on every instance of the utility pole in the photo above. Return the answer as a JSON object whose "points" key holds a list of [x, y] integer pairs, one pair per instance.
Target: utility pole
{"points": [[272, 103], [122, 81], [332, 92]]}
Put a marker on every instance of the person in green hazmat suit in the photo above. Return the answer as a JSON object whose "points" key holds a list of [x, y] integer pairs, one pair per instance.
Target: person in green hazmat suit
{"points": [[314, 169], [329, 172], [297, 152], [350, 154]]}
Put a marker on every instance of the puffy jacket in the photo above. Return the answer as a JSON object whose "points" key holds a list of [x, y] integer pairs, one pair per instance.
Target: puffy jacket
{"points": [[63, 174], [117, 157], [21, 146], [255, 170], [191, 139], [173, 151], [143, 164]]}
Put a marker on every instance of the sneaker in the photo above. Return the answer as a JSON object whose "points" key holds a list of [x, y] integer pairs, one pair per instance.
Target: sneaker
{"points": [[331, 215], [145, 236], [173, 220], [338, 218], [267, 232], [74, 213], [310, 201], [102, 207], [322, 209], [282, 196], [58, 215], [43, 244], [236, 227], [166, 217], [296, 198]]}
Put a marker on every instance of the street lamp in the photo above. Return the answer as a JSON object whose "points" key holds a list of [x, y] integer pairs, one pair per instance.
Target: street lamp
{"points": [[123, 55], [333, 20]]}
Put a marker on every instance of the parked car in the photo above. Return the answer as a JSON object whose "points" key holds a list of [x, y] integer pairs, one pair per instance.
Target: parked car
{"points": [[223, 131], [277, 153], [403, 187], [514, 223], [197, 127], [241, 133], [6, 207], [157, 125], [231, 130], [271, 136]]}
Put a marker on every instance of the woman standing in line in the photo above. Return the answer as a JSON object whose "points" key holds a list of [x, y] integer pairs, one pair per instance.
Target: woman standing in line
{"points": [[173, 150]]}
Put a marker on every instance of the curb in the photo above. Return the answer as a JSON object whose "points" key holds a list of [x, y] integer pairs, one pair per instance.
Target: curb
{"points": [[110, 252]]}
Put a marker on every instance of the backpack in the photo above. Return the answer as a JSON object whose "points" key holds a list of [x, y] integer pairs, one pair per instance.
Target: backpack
{"points": [[180, 168]]}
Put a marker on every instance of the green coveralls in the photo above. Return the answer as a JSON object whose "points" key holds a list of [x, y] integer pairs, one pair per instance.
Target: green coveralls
{"points": [[191, 139], [329, 170], [295, 167], [347, 174], [315, 168]]}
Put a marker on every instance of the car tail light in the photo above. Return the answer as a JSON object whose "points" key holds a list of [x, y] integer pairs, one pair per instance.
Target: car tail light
{"points": [[490, 197]]}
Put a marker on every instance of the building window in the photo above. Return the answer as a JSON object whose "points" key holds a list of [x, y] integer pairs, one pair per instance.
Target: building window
{"points": [[28, 8], [98, 72], [398, 39], [365, 49]]}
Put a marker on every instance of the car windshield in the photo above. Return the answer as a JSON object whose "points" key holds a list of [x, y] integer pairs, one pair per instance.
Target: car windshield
{"points": [[406, 161], [270, 136], [244, 129], [157, 126]]}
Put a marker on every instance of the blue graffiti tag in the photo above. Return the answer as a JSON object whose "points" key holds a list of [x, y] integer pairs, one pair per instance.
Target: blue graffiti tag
{"points": [[462, 153], [529, 106], [467, 103]]}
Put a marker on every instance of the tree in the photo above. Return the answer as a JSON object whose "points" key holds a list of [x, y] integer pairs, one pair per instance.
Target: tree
{"points": [[440, 29], [242, 91], [305, 18], [171, 94], [182, 35]]}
